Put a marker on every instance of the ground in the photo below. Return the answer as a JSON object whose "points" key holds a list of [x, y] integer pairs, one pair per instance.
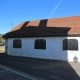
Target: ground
{"points": [[2, 49], [6, 74], [45, 69]]}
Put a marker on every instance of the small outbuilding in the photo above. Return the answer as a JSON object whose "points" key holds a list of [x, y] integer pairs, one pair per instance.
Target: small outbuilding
{"points": [[57, 39]]}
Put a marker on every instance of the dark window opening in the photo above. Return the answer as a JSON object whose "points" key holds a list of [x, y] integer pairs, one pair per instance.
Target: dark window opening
{"points": [[40, 44], [17, 43], [70, 44]]}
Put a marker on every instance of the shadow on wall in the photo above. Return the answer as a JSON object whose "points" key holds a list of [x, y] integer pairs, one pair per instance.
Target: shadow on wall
{"points": [[75, 59]]}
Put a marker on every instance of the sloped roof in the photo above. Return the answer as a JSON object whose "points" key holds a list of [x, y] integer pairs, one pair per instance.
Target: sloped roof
{"points": [[48, 27]]}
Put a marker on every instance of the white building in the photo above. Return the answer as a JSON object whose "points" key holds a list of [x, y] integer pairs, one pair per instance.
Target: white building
{"points": [[57, 39]]}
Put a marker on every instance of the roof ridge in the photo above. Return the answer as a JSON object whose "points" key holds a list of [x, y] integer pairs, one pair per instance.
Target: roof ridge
{"points": [[52, 18]]}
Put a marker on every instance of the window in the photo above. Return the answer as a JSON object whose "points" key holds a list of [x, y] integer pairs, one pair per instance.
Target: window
{"points": [[70, 44], [40, 44], [17, 43]]}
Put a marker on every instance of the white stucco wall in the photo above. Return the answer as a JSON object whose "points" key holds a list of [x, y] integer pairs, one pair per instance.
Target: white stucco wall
{"points": [[54, 48]]}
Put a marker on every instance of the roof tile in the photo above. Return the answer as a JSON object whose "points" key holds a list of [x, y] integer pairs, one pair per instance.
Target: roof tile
{"points": [[47, 27]]}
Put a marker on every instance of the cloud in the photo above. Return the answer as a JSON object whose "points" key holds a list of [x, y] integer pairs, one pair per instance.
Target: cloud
{"points": [[55, 8]]}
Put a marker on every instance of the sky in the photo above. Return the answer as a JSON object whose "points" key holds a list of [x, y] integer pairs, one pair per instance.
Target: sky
{"points": [[17, 11]]}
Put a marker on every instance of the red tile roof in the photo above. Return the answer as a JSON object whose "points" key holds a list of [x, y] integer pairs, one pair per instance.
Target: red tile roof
{"points": [[47, 27]]}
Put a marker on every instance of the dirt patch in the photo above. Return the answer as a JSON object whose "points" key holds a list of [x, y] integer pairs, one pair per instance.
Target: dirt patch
{"points": [[2, 49]]}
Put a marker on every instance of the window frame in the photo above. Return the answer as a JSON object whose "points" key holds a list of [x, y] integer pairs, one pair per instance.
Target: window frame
{"points": [[40, 44], [71, 48], [17, 44]]}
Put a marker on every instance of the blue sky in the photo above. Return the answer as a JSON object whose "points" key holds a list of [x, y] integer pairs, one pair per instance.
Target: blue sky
{"points": [[17, 11]]}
